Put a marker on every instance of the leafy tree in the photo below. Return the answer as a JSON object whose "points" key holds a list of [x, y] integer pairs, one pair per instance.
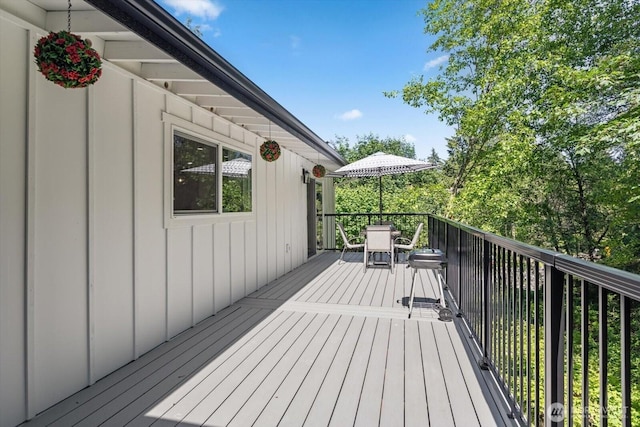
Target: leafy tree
{"points": [[434, 158], [483, 40], [370, 144], [544, 96]]}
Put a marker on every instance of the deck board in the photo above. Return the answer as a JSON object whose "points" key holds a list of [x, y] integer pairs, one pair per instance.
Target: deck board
{"points": [[369, 408], [298, 408], [459, 398], [248, 396], [271, 408], [325, 401], [325, 345], [416, 411], [346, 407], [392, 404], [438, 399], [210, 395]]}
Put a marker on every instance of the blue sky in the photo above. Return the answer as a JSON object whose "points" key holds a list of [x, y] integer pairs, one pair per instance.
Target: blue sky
{"points": [[329, 61]]}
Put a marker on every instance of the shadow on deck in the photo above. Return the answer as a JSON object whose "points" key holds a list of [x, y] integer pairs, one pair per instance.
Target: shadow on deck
{"points": [[325, 345]]}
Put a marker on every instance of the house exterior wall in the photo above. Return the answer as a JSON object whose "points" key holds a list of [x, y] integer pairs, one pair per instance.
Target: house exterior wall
{"points": [[92, 274]]}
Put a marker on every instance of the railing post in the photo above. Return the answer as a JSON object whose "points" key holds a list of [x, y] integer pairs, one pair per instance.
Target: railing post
{"points": [[554, 410], [486, 303], [625, 358], [459, 266]]}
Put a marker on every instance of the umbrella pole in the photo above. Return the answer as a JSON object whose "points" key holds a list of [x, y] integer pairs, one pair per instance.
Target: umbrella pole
{"points": [[380, 187]]}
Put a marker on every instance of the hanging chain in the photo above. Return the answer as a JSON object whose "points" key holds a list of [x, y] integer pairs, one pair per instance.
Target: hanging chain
{"points": [[69, 17]]}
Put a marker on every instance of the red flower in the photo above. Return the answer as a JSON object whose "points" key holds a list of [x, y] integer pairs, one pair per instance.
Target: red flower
{"points": [[319, 171], [270, 151], [67, 60]]}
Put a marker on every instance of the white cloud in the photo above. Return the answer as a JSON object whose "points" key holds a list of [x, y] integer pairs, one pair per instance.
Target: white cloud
{"points": [[350, 115], [295, 42], [410, 138], [435, 62], [198, 8]]}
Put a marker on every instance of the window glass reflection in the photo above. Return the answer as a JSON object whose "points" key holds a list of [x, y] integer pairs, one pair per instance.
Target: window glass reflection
{"points": [[236, 181]]}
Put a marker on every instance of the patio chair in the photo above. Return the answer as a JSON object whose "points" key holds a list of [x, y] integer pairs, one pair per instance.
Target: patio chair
{"points": [[404, 244], [347, 244], [379, 240]]}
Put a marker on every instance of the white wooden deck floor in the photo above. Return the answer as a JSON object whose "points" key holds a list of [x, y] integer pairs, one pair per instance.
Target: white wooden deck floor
{"points": [[325, 345]]}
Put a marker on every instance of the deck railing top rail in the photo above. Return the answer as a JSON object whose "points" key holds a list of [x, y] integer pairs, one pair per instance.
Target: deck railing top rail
{"points": [[613, 279]]}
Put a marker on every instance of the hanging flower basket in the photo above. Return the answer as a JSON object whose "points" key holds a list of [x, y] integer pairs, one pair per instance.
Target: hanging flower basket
{"points": [[319, 171], [67, 60], [270, 151]]}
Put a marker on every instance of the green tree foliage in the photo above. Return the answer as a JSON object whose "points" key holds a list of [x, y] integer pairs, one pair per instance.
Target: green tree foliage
{"points": [[544, 97]]}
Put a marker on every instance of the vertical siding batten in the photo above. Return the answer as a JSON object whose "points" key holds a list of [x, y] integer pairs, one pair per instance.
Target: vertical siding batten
{"points": [[260, 209], [193, 275], [91, 170], [202, 272], [222, 277], [214, 305], [60, 244], [237, 260], [30, 236], [111, 223], [151, 236], [251, 257], [271, 214], [168, 159], [15, 110], [135, 238], [280, 210], [289, 209], [179, 268]]}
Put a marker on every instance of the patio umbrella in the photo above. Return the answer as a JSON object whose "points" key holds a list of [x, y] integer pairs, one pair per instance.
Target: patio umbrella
{"points": [[379, 164]]}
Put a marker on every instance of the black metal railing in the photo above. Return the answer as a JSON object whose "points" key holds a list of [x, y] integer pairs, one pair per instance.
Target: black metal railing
{"points": [[555, 330], [558, 333]]}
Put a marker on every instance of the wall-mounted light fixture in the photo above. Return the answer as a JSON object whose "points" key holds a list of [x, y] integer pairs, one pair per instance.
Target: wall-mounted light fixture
{"points": [[306, 176]]}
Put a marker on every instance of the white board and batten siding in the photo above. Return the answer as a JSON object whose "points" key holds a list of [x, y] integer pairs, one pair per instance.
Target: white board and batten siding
{"points": [[92, 275]]}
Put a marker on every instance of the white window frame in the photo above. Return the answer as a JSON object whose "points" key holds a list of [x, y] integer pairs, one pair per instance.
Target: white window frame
{"points": [[174, 124]]}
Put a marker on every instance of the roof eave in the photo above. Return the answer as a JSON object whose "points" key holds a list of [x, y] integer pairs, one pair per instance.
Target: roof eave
{"points": [[151, 22]]}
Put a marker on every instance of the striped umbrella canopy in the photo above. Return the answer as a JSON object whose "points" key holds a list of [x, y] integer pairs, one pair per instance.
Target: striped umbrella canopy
{"points": [[380, 164]]}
